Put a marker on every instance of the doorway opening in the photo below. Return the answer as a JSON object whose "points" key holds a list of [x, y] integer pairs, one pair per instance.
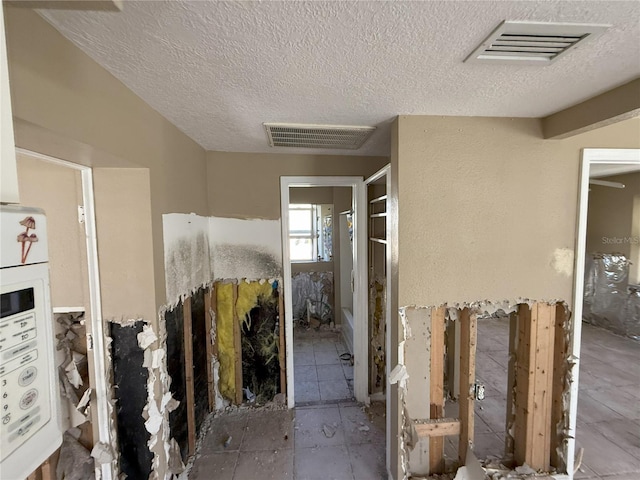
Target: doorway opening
{"points": [[607, 308], [64, 190], [324, 256]]}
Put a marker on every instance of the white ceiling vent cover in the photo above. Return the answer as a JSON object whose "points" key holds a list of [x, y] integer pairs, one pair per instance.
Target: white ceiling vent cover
{"points": [[317, 136], [532, 43]]}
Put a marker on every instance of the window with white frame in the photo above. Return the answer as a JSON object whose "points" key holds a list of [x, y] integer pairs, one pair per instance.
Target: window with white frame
{"points": [[303, 233]]}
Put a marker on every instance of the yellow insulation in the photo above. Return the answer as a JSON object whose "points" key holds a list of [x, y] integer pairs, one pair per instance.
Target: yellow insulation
{"points": [[226, 350], [248, 295]]}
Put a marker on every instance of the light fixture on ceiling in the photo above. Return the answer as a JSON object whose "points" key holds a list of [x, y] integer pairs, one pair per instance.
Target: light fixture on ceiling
{"points": [[605, 183], [532, 43], [317, 136]]}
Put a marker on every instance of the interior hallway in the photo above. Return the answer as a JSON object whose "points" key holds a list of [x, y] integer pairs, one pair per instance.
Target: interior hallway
{"points": [[320, 374]]}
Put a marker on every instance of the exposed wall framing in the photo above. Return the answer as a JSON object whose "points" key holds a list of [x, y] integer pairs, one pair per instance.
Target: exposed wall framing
{"points": [[538, 383], [205, 342]]}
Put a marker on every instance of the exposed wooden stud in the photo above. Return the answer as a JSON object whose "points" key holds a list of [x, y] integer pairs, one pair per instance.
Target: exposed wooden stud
{"points": [[468, 335], [441, 427], [208, 323], [511, 378], [214, 308], [47, 471], [436, 390], [560, 366], [188, 374], [237, 343], [534, 382], [282, 345]]}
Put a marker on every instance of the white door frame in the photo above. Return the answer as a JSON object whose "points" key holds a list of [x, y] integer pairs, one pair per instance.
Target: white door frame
{"points": [[590, 156], [360, 304], [95, 301], [386, 172]]}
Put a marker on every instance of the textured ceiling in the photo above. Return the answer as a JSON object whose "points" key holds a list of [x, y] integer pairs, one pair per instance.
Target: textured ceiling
{"points": [[217, 70]]}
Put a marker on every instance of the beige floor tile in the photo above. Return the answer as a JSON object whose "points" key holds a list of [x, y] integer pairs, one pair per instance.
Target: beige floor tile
{"points": [[305, 373], [332, 390], [273, 431], [358, 428], [221, 429], [264, 465], [305, 392], [323, 463], [223, 464], [309, 427], [368, 462], [330, 372]]}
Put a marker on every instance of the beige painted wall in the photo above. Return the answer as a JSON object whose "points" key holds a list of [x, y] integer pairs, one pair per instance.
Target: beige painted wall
{"points": [[247, 185], [58, 191], [123, 223], [316, 195], [611, 217], [58, 88], [483, 205]]}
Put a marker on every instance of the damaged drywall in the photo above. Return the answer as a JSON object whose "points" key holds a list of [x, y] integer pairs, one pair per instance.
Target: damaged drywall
{"points": [[174, 341], [73, 366], [377, 322], [413, 372], [249, 248], [130, 377], [186, 253]]}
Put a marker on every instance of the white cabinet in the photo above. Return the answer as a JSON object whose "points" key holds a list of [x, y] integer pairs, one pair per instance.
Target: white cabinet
{"points": [[8, 170]]}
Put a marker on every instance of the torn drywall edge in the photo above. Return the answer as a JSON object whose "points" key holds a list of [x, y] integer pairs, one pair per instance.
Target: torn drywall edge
{"points": [[109, 392], [417, 359], [483, 309], [562, 428]]}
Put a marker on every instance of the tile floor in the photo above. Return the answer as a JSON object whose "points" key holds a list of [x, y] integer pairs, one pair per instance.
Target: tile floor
{"points": [[320, 376], [341, 441], [292, 444], [608, 400]]}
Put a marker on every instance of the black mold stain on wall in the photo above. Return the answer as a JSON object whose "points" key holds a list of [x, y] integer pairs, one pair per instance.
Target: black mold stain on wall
{"points": [[130, 379], [175, 369], [242, 261], [200, 377]]}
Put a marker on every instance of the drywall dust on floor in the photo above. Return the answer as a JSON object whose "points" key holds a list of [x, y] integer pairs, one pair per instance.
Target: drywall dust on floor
{"points": [[344, 441]]}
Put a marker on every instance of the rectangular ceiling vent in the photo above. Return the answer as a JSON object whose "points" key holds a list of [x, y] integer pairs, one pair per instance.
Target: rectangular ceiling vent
{"points": [[317, 136], [532, 43]]}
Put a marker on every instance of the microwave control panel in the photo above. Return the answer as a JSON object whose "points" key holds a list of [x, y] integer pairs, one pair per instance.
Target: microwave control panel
{"points": [[25, 369]]}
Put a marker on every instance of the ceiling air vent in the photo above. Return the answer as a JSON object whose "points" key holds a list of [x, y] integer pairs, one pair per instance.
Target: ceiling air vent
{"points": [[532, 43], [316, 136]]}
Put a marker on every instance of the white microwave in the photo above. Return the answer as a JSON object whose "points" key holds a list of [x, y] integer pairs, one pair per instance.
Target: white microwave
{"points": [[29, 393]]}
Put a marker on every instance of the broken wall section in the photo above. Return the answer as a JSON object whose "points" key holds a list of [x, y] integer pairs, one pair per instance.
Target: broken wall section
{"points": [[609, 301], [536, 416]]}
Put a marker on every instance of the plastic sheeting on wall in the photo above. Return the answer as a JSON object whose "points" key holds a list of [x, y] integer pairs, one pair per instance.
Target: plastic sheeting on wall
{"points": [[317, 287], [608, 300]]}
